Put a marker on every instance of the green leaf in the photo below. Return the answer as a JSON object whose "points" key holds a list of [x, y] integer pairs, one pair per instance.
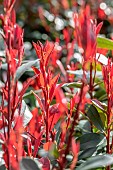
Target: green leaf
{"points": [[85, 126], [96, 162], [24, 67], [73, 85], [2, 167], [101, 94], [87, 153], [104, 43], [79, 74], [95, 118], [100, 105], [103, 116], [102, 109], [31, 93], [54, 151], [28, 164], [90, 140]]}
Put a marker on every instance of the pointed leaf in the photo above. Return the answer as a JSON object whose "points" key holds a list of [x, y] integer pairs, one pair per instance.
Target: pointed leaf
{"points": [[53, 120], [37, 143], [48, 49], [104, 43], [54, 109], [27, 115], [23, 90], [28, 164], [87, 153], [96, 162], [73, 85], [98, 28], [90, 140], [53, 86], [38, 48], [39, 101], [94, 116], [21, 70], [100, 105]]}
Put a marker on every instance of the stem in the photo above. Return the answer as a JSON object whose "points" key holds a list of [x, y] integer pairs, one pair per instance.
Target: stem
{"points": [[3, 118], [47, 128], [72, 128], [47, 102], [94, 72], [108, 122], [14, 100], [112, 146], [9, 111], [91, 81], [47, 113]]}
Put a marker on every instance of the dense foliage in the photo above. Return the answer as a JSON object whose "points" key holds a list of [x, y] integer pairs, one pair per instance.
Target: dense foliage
{"points": [[56, 88]]}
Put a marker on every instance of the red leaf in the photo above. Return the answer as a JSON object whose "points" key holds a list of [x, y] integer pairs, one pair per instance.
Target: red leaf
{"points": [[75, 150], [48, 48], [45, 163], [29, 147], [13, 16], [54, 109], [53, 83], [36, 70], [25, 86], [37, 144], [60, 98], [39, 101], [38, 47], [5, 157], [54, 117], [98, 28], [41, 80], [47, 146], [43, 52], [75, 147], [66, 35]]}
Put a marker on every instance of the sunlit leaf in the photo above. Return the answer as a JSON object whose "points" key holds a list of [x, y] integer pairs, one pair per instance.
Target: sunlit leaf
{"points": [[104, 43], [73, 85], [100, 105], [27, 115], [102, 59]]}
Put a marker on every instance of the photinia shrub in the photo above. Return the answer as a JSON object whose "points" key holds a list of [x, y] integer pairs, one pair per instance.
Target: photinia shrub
{"points": [[69, 125]]}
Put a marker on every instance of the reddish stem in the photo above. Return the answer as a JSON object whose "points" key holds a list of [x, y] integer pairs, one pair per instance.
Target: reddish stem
{"points": [[15, 89], [47, 127], [108, 123], [72, 128], [9, 111], [91, 81]]}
